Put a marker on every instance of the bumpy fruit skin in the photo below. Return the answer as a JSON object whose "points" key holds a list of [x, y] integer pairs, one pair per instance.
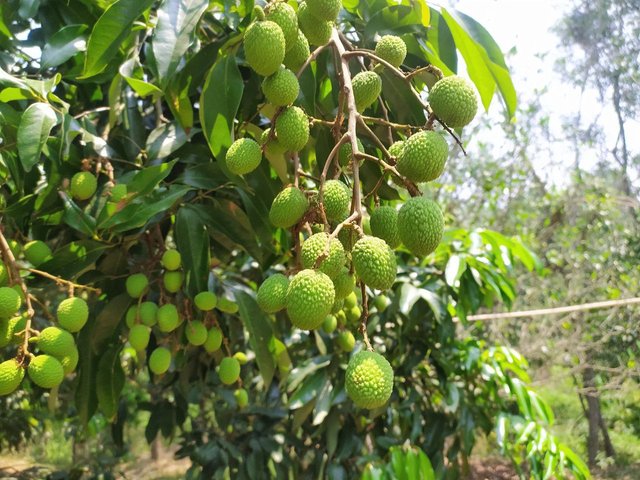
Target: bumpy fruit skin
{"points": [[366, 89], [206, 301], [327, 10], [46, 371], [281, 88], [136, 285], [309, 299], [423, 156], [214, 340], [272, 294], [55, 341], [345, 153], [264, 47], [315, 245], [10, 302], [11, 374], [318, 32], [83, 185], [420, 225], [336, 197], [8, 329], [396, 148], [346, 341], [139, 336], [229, 370], [285, 17], [298, 53], [350, 300], [173, 281], [70, 361], [227, 306], [384, 225], [73, 314], [273, 146], [242, 397], [288, 207], [160, 360], [4, 276], [171, 259], [374, 262], [292, 129], [344, 283], [37, 252], [196, 333], [243, 156], [454, 101], [168, 318], [369, 380], [392, 49]]}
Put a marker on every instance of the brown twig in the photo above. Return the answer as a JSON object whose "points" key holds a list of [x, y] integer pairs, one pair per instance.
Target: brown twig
{"points": [[62, 281], [311, 58], [364, 317]]}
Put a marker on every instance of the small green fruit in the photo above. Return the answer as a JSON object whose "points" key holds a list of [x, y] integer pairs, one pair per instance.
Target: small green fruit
{"points": [[136, 285], [168, 318], [196, 333], [420, 225], [160, 360], [423, 156], [384, 225], [324, 9], [264, 47], [73, 314], [139, 337], [369, 380], [309, 299], [214, 340], [37, 252], [46, 371], [298, 53], [83, 185], [288, 207], [285, 17], [272, 294], [315, 246], [329, 324], [346, 341], [292, 129], [454, 101], [346, 152], [148, 313], [336, 197], [281, 88], [227, 306], [173, 281], [374, 262], [241, 357], [367, 87], [70, 361], [229, 370], [344, 283], [171, 259], [243, 156], [55, 341], [351, 300], [206, 301], [10, 302], [392, 49], [11, 375], [242, 397], [318, 32]]}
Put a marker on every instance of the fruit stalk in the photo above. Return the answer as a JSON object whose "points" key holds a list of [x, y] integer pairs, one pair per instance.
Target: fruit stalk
{"points": [[61, 281]]}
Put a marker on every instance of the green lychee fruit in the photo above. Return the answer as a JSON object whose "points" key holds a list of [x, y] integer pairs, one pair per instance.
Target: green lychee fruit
{"points": [[336, 197], [351, 300], [214, 340], [55, 341], [4, 275], [392, 49], [46, 371], [264, 47], [420, 225], [454, 101], [137, 285], [242, 397], [285, 17], [309, 299], [72, 314], [9, 328], [243, 156], [148, 313], [241, 357], [324, 9], [396, 149], [367, 87], [374, 262], [341, 317], [139, 336], [344, 283], [168, 318], [227, 306], [423, 156], [353, 314], [318, 32], [329, 324], [160, 360], [229, 370], [83, 185], [384, 225], [292, 129], [288, 207], [315, 246], [10, 302], [369, 380], [173, 281], [70, 361], [11, 375], [281, 88], [272, 294], [298, 53], [346, 341], [345, 153], [196, 333], [37, 252], [171, 259], [381, 302], [338, 303], [206, 301], [273, 146]]}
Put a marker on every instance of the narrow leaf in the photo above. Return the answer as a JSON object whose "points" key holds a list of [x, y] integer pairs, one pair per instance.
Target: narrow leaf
{"points": [[35, 125]]}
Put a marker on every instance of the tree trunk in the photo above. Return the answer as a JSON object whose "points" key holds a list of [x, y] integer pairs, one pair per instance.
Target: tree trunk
{"points": [[608, 446], [593, 414]]}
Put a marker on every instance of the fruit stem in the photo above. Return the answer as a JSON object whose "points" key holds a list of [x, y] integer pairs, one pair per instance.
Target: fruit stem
{"points": [[311, 58], [61, 281], [365, 317]]}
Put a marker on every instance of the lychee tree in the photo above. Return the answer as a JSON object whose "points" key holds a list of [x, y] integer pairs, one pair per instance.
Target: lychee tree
{"points": [[229, 207]]}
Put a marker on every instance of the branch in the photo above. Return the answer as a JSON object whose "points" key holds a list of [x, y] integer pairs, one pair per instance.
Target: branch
{"points": [[311, 58], [62, 281]]}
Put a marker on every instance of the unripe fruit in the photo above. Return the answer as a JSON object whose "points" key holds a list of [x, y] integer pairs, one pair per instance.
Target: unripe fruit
{"points": [[281, 88], [206, 301], [83, 185], [168, 318], [318, 32], [8, 329], [136, 285], [55, 341], [309, 299], [46, 371], [139, 336], [173, 281], [344, 283], [329, 324], [148, 313], [381, 302], [396, 148], [423, 156], [241, 357], [11, 374], [214, 340], [351, 300], [384, 225], [298, 53], [341, 317], [285, 17], [338, 303], [118, 192], [346, 152], [367, 87], [272, 294], [72, 314], [160, 360], [315, 246], [374, 262], [420, 225], [229, 370], [4, 275], [264, 47], [273, 146], [353, 314], [336, 198], [70, 361], [242, 397], [15, 248], [324, 9], [346, 341], [288, 207], [227, 306], [243, 156], [37, 252], [292, 129], [392, 49], [369, 380], [196, 333], [10, 302], [131, 317], [453, 99], [171, 259]]}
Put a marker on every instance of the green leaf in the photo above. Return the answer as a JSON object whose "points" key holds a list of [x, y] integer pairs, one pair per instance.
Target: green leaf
{"points": [[35, 125], [107, 321], [109, 31], [75, 217], [260, 332], [309, 390], [177, 20], [164, 140], [193, 243], [219, 103], [63, 45], [85, 396], [147, 179], [72, 259], [109, 382], [133, 74]]}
